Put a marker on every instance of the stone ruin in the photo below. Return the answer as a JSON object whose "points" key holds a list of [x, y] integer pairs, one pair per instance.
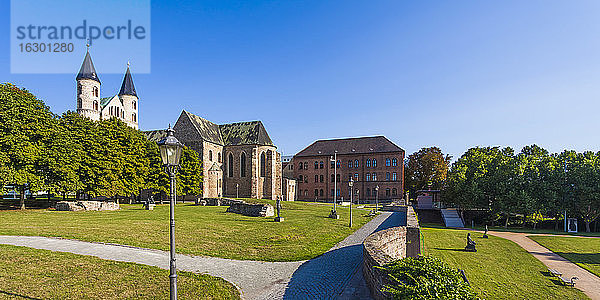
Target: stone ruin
{"points": [[86, 206], [240, 207]]}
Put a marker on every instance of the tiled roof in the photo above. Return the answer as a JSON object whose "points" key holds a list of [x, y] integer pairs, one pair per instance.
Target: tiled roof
{"points": [[361, 145], [105, 101], [155, 135], [127, 87], [208, 130], [245, 133], [87, 70]]}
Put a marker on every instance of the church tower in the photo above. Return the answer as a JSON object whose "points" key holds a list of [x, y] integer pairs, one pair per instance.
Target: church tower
{"points": [[88, 90], [130, 100]]}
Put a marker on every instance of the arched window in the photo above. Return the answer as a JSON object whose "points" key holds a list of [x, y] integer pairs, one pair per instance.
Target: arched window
{"points": [[316, 192], [95, 105], [339, 163], [387, 176], [263, 164], [78, 89], [332, 178], [374, 163], [78, 102], [133, 118], [209, 155], [219, 157], [368, 163], [134, 104], [349, 164], [243, 164], [95, 91], [374, 177], [356, 163], [387, 162], [321, 178], [306, 193], [123, 114], [316, 165], [321, 165], [368, 177], [394, 176], [230, 165], [300, 178], [394, 192], [316, 178], [305, 165], [321, 192], [394, 162], [332, 164], [300, 166]]}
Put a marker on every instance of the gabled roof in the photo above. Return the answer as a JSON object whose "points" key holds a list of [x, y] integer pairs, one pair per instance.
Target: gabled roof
{"points": [[361, 145], [155, 135], [245, 133], [127, 87], [87, 70], [104, 101], [207, 130]]}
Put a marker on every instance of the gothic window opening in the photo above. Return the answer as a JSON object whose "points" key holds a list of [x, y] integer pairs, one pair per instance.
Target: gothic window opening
{"points": [[368, 177], [356, 163], [349, 164], [263, 164], [374, 177], [316, 165], [230, 165], [394, 176], [374, 163], [243, 165], [394, 162], [321, 165], [368, 163], [387, 162]]}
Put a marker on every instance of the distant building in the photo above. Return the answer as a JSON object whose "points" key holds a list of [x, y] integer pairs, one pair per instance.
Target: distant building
{"points": [[370, 161], [238, 158], [123, 106]]}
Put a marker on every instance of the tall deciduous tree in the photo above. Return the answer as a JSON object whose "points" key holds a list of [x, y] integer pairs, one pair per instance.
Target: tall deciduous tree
{"points": [[426, 167]]}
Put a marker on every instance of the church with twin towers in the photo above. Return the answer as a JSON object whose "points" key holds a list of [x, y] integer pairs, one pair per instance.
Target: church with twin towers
{"points": [[123, 106]]}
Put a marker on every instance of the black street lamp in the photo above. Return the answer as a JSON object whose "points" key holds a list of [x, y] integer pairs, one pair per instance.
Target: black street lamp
{"points": [[351, 184], [334, 214], [376, 197], [170, 153], [237, 190]]}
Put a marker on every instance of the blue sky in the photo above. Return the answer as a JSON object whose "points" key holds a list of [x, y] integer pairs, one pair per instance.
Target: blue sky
{"points": [[454, 74]]}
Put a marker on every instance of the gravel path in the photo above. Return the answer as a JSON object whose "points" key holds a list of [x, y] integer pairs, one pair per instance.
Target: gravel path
{"points": [[333, 275], [588, 282]]}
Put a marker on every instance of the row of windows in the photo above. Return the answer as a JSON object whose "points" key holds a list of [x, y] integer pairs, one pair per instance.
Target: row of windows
{"points": [[393, 162], [242, 169], [367, 177], [210, 156], [369, 192]]}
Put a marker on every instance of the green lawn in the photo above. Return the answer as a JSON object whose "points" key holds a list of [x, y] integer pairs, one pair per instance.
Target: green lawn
{"points": [[200, 230], [40, 274], [500, 269], [585, 252]]}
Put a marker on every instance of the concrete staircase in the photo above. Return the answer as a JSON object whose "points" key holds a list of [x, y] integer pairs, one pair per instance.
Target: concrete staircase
{"points": [[451, 218]]}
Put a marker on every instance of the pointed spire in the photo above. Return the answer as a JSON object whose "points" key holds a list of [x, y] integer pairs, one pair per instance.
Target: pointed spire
{"points": [[127, 87], [87, 70]]}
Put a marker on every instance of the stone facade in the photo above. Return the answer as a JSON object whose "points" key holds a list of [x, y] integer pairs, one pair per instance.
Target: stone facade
{"points": [[252, 210], [123, 106], [370, 161]]}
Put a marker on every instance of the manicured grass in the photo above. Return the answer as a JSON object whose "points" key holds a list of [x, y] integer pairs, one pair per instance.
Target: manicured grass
{"points": [[40, 274], [585, 252], [539, 231], [500, 269], [200, 230]]}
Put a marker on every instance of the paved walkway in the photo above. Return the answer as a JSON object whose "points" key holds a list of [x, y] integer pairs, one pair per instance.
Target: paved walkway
{"points": [[588, 282], [332, 275]]}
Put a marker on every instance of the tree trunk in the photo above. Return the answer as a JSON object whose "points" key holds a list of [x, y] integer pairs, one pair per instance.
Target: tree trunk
{"points": [[22, 197], [587, 226], [506, 224], [556, 224]]}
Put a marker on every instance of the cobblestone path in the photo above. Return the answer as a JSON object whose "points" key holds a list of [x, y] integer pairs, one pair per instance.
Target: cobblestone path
{"points": [[333, 275]]}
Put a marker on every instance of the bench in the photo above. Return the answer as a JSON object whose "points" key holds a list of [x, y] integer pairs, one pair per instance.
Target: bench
{"points": [[568, 282], [554, 272]]}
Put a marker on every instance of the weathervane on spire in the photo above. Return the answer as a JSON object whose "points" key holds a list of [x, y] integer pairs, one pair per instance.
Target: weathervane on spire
{"points": [[128, 63], [87, 45]]}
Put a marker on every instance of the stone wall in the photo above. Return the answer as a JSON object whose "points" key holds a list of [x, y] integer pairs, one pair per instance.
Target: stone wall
{"points": [[86, 205], [252, 210], [386, 246]]}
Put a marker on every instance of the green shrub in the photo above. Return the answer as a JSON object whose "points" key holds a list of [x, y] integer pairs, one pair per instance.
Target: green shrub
{"points": [[426, 277]]}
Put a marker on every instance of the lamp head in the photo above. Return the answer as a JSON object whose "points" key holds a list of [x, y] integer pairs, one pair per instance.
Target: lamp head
{"points": [[170, 149]]}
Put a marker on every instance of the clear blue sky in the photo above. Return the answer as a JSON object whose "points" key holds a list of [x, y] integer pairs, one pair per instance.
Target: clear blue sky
{"points": [[454, 74]]}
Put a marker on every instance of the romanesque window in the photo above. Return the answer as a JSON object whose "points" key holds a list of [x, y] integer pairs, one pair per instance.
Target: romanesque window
{"points": [[95, 91], [374, 176], [394, 192], [263, 164], [387, 176], [368, 177], [243, 165], [95, 105], [133, 118], [321, 178], [316, 165], [209, 155], [316, 178], [394, 176], [300, 166], [306, 165], [230, 165], [374, 163], [356, 163], [321, 165], [368, 163], [79, 102], [78, 89], [394, 162], [387, 162], [134, 104]]}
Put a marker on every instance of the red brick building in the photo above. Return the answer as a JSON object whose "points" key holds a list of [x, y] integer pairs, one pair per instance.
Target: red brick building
{"points": [[370, 161]]}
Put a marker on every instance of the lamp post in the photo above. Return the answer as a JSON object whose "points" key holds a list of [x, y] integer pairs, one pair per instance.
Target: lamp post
{"points": [[376, 197], [170, 153], [333, 213], [237, 190], [351, 184]]}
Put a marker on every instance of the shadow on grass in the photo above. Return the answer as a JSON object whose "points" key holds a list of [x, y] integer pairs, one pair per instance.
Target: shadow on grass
{"points": [[17, 295], [583, 258], [452, 249]]}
